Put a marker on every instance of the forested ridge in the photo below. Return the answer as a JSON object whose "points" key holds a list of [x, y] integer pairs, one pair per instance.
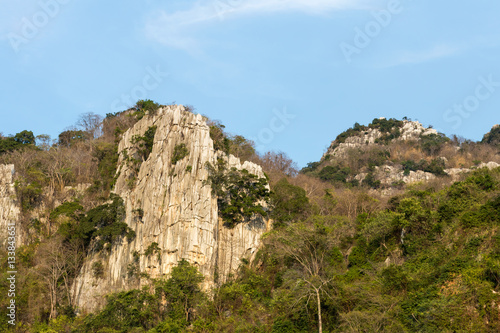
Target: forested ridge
{"points": [[343, 255]]}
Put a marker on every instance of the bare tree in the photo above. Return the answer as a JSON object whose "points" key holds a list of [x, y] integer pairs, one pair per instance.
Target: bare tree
{"points": [[91, 123], [51, 268], [313, 272], [44, 141]]}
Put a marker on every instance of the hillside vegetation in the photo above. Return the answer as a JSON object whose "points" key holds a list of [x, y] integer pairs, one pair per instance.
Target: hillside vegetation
{"points": [[342, 256]]}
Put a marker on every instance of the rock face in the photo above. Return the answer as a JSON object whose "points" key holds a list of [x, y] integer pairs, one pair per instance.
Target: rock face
{"points": [[392, 174], [9, 209], [171, 205]]}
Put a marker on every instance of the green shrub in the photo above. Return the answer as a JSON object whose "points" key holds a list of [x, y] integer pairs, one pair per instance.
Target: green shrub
{"points": [[145, 107], [388, 127], [180, 151], [98, 270], [69, 209], [107, 160], [334, 174], [153, 248], [145, 142], [371, 181], [436, 166], [433, 143], [311, 167]]}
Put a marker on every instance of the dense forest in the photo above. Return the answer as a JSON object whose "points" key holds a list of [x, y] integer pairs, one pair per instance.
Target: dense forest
{"points": [[343, 254]]}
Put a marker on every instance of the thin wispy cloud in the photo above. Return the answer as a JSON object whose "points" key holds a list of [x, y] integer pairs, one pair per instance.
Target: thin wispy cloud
{"points": [[175, 29], [421, 56]]}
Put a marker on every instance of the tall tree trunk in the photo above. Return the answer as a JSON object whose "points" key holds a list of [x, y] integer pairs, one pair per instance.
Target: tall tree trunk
{"points": [[320, 323]]}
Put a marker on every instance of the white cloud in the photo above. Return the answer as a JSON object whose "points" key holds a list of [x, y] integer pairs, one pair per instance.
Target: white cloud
{"points": [[173, 29]]}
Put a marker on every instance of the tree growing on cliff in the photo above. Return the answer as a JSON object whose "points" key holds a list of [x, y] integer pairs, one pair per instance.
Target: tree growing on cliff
{"points": [[239, 193]]}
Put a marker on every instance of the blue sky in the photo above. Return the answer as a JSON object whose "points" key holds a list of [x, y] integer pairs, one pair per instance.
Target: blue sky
{"points": [[289, 74]]}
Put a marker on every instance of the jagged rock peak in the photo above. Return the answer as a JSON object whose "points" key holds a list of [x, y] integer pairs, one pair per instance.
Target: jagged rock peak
{"points": [[169, 203]]}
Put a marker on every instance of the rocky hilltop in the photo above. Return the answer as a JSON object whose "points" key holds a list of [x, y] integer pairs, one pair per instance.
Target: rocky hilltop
{"points": [[388, 154], [172, 211], [360, 136]]}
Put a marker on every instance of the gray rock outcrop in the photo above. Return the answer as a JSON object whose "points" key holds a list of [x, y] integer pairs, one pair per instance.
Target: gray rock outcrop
{"points": [[9, 208]]}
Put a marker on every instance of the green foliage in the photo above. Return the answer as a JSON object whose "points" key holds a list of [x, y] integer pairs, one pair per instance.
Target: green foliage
{"points": [[394, 279], [145, 142], [70, 209], [97, 270], [436, 166], [107, 160], [71, 137], [30, 194], [289, 202], [20, 140], [103, 225], [25, 138], [219, 137], [145, 107], [492, 137], [239, 193], [389, 128], [125, 311], [433, 143], [182, 290], [180, 151], [334, 174], [311, 167], [371, 181], [153, 248], [169, 307], [236, 145]]}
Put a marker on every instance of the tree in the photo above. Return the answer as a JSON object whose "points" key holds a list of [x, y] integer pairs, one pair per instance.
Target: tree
{"points": [[239, 193], [70, 137], [25, 137], [91, 123], [43, 141], [52, 267], [289, 202], [312, 254], [181, 291], [278, 164]]}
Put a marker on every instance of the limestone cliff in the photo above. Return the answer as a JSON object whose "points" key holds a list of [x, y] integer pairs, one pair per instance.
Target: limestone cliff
{"points": [[169, 203], [9, 208]]}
